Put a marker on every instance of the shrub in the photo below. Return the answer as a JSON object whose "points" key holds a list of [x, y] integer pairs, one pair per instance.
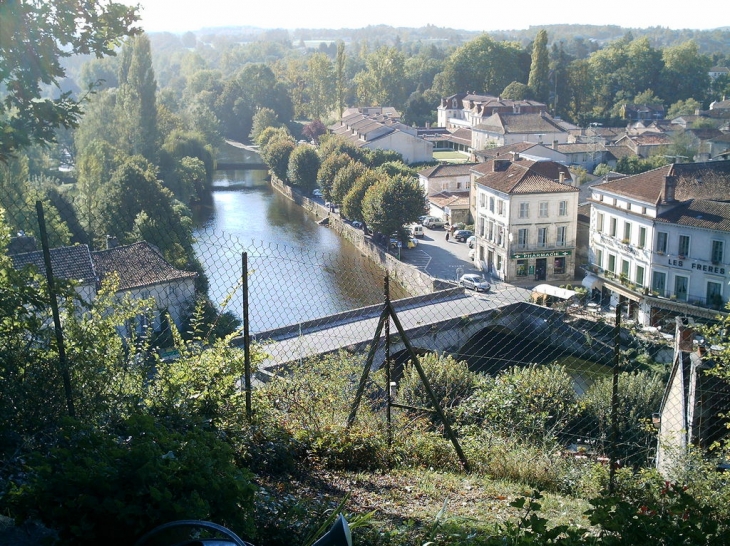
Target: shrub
{"points": [[99, 488], [534, 402], [451, 381]]}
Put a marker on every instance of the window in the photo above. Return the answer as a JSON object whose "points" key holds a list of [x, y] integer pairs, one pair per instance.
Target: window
{"points": [[643, 210], [541, 236], [543, 209], [639, 275], [490, 236], [482, 200], [500, 235], [714, 294], [491, 204], [642, 237], [522, 238], [659, 282], [599, 258], [522, 268], [458, 185], [499, 262], [611, 263], [481, 226], [683, 247], [563, 208], [627, 232], [661, 242], [500, 207], [560, 240], [625, 268], [717, 252], [524, 210], [680, 287], [612, 230], [599, 222], [559, 266]]}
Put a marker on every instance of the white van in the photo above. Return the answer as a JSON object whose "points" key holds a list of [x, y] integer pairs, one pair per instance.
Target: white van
{"points": [[416, 230]]}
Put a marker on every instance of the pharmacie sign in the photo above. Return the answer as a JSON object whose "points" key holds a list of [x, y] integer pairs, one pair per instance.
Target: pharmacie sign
{"points": [[554, 253]]}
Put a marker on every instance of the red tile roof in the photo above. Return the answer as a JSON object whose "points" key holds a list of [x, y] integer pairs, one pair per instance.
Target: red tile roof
{"points": [[523, 176]]}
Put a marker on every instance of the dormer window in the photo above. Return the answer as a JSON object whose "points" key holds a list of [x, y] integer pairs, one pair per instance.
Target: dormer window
{"points": [[454, 104]]}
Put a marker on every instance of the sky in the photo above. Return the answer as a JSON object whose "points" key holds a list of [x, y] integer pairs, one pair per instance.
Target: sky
{"points": [[183, 15]]}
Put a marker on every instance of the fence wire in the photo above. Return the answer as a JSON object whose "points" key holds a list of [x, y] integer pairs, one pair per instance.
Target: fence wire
{"points": [[549, 363]]}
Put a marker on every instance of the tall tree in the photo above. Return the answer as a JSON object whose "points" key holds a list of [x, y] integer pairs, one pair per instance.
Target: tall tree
{"points": [[686, 72], [540, 68], [320, 85], [34, 38], [382, 83], [136, 105], [303, 167], [340, 78], [390, 204]]}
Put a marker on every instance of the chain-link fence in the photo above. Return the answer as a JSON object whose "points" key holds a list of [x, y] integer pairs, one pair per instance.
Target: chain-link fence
{"points": [[560, 364]]}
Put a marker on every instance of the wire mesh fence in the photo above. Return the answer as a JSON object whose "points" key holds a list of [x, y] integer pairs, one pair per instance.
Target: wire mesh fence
{"points": [[560, 366]]}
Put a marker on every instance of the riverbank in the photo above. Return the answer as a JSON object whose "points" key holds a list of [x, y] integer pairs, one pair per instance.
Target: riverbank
{"points": [[413, 280]]}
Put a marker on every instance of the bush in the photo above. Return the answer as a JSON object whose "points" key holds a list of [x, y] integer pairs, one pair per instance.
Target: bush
{"points": [[451, 381], [534, 402], [95, 487]]}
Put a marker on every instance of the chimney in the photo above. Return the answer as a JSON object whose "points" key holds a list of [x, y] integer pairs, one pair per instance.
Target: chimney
{"points": [[500, 165], [670, 185], [516, 156], [111, 242], [555, 144], [685, 334], [561, 177]]}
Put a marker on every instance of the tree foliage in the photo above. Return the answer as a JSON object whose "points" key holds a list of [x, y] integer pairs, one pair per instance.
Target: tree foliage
{"points": [[303, 167], [56, 29], [392, 203], [539, 68]]}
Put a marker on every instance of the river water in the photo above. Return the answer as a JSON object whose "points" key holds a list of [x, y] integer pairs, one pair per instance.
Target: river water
{"points": [[298, 270]]}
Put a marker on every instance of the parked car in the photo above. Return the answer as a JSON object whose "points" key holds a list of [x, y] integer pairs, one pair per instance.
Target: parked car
{"points": [[317, 193], [357, 224], [412, 242], [416, 230], [471, 241], [462, 234], [432, 222], [475, 282]]}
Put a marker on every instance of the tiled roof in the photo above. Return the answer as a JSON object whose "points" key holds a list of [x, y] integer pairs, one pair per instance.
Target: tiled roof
{"points": [[452, 169], [520, 123], [579, 147], [138, 265], [620, 151], [458, 199], [505, 151], [523, 176], [67, 262], [709, 180], [700, 213]]}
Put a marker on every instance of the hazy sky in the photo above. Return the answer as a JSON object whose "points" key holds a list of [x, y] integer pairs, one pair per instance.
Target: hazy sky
{"points": [[182, 15]]}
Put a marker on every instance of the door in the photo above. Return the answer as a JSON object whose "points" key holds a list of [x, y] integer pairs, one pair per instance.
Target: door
{"points": [[540, 269]]}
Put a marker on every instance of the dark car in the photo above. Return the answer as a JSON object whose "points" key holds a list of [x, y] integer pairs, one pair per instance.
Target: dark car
{"points": [[462, 234]]}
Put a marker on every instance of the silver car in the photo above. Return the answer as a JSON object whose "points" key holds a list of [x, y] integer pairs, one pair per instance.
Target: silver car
{"points": [[475, 282]]}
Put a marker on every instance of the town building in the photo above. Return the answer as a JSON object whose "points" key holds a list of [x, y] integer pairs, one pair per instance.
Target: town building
{"points": [[381, 129], [526, 218], [659, 241], [447, 190]]}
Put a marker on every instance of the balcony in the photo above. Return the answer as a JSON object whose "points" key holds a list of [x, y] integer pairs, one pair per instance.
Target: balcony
{"points": [[516, 247]]}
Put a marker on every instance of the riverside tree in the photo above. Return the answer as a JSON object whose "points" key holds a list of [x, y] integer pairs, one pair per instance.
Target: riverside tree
{"points": [[392, 203]]}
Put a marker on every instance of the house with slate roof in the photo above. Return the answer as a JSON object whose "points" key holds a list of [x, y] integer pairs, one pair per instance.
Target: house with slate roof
{"points": [[526, 219], [471, 109], [501, 129], [383, 131], [659, 241]]}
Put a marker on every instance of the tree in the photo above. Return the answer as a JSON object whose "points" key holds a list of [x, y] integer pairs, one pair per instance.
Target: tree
{"points": [[329, 169], [136, 106], [382, 82], [686, 72], [320, 85], [392, 203], [54, 30], [276, 155], [303, 167], [313, 130], [263, 119], [683, 108], [516, 91], [539, 68], [352, 203], [340, 78], [345, 179]]}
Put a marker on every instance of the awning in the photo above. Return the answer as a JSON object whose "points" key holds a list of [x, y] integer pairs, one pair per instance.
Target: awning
{"points": [[551, 290], [591, 282]]}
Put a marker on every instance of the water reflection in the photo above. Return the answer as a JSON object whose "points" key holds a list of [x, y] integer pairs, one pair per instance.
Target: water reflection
{"points": [[298, 270]]}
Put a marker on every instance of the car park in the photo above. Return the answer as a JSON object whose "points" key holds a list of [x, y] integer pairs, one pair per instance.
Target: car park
{"points": [[475, 282], [462, 234], [472, 241]]}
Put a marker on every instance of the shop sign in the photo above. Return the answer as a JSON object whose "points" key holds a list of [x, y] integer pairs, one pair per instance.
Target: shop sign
{"points": [[550, 254]]}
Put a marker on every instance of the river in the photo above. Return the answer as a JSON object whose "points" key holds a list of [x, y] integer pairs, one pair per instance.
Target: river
{"points": [[298, 270]]}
